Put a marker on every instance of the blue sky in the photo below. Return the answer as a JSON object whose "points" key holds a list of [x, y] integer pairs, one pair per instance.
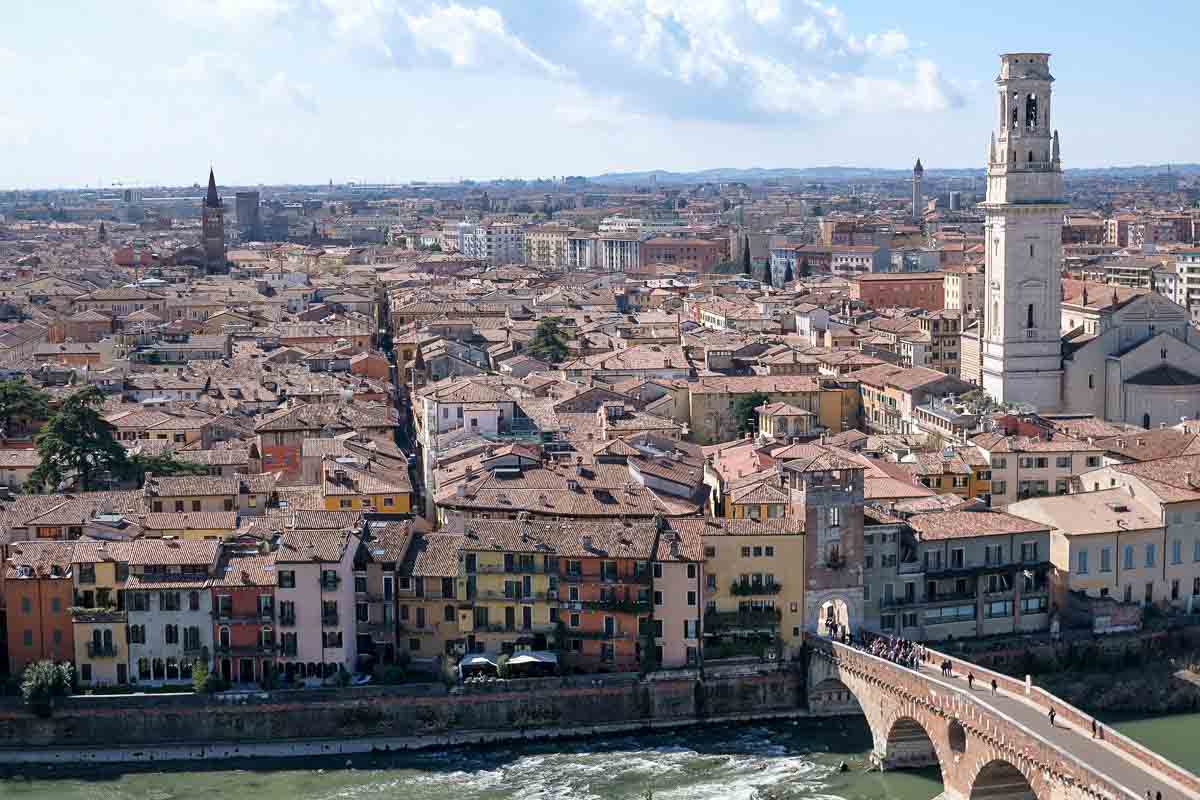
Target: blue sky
{"points": [[394, 90]]}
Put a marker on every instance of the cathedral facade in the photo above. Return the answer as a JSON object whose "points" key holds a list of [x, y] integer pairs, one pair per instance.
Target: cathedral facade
{"points": [[1125, 357]]}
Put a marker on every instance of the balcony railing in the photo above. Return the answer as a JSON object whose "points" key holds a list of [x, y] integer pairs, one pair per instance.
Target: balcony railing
{"points": [[717, 621], [747, 588], [329, 619], [102, 650], [265, 615]]}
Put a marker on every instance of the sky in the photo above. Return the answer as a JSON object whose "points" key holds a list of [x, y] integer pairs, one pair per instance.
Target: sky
{"points": [[300, 91]]}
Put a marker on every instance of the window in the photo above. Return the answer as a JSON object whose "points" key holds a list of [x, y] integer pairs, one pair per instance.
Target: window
{"points": [[287, 579], [1093, 461], [745, 552], [691, 598], [1128, 561], [168, 601], [26, 605], [1029, 551], [1063, 462], [171, 634], [194, 601], [1177, 551], [994, 554], [958, 558], [1150, 555], [1082, 562], [1106, 559]]}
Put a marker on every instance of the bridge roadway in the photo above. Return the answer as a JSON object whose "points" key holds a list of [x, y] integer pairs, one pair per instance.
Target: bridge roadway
{"points": [[1130, 770], [1135, 776]]}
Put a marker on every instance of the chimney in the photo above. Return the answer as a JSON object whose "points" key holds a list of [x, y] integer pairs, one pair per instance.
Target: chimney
{"points": [[587, 542]]}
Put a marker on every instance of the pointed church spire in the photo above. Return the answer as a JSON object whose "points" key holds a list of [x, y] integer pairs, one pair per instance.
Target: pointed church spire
{"points": [[1054, 151], [103, 235], [211, 199], [918, 169]]}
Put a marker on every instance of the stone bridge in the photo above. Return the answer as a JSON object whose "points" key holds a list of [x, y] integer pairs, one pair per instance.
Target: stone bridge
{"points": [[989, 746]]}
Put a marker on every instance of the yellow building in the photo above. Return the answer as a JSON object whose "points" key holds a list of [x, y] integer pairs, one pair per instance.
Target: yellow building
{"points": [[510, 586], [428, 596], [348, 485], [101, 647], [754, 583], [711, 402], [99, 620], [756, 496], [191, 525]]}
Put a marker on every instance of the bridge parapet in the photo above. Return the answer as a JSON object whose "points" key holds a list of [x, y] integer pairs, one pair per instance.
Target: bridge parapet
{"points": [[982, 751], [1072, 716]]}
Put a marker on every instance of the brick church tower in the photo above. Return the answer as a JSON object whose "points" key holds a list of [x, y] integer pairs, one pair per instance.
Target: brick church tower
{"points": [[212, 219]]}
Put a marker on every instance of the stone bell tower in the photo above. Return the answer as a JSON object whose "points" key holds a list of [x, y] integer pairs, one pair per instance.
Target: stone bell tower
{"points": [[1022, 339], [212, 228]]}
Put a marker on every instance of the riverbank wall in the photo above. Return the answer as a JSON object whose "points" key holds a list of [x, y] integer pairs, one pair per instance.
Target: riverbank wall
{"points": [[405, 717]]}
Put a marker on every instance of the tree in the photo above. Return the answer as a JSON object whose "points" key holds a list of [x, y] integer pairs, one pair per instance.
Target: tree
{"points": [[42, 682], [548, 343], [136, 467], [744, 415], [767, 276], [78, 444], [746, 255], [20, 399], [805, 269], [787, 274]]}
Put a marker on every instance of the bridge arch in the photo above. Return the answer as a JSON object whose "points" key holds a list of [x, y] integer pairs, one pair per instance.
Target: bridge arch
{"points": [[909, 743], [1001, 780]]}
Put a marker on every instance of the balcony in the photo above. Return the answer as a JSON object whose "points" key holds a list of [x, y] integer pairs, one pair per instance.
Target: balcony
{"points": [[229, 616], [101, 650], [288, 620], [246, 650], [718, 621], [598, 635], [539, 628], [626, 606], [329, 620], [748, 589], [910, 568], [329, 583]]}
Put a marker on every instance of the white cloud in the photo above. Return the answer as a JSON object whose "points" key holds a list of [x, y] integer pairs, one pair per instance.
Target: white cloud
{"points": [[739, 59], [472, 38]]}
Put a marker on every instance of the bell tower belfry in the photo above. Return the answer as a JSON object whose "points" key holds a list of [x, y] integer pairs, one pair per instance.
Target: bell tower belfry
{"points": [[1021, 336]]}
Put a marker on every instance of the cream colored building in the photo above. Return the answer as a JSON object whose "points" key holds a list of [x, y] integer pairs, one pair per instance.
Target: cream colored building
{"points": [[546, 247]]}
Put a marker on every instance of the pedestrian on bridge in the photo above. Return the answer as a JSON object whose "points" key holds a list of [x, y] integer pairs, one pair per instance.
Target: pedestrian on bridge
{"points": [[971, 681], [994, 686], [1052, 715]]}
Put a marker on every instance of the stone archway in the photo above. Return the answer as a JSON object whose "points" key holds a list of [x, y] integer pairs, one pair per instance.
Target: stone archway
{"points": [[907, 744], [835, 612], [1000, 780]]}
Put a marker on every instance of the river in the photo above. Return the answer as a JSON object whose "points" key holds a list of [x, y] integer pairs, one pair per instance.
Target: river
{"points": [[756, 762]]}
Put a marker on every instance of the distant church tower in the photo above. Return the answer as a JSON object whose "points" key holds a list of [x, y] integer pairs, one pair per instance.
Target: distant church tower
{"points": [[918, 199], [1022, 338], [212, 224]]}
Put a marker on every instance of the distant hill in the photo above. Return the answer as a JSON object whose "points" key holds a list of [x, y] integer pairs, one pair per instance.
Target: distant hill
{"points": [[835, 173]]}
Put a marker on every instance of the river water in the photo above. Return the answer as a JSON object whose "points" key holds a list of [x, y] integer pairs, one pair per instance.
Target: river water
{"points": [[779, 761]]}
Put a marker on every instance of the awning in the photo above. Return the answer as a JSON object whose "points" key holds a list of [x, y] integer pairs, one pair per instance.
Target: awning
{"points": [[476, 660], [537, 657]]}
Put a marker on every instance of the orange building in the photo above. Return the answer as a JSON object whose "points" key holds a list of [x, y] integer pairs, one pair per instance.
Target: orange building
{"points": [[702, 255], [605, 594], [244, 620], [38, 594], [901, 289]]}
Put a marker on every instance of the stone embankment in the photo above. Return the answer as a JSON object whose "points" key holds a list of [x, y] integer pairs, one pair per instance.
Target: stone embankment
{"points": [[329, 722]]}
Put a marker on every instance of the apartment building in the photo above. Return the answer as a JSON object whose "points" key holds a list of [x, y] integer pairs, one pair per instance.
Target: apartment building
{"points": [[244, 623], [679, 597], [833, 403], [546, 247], [99, 617], [38, 595], [169, 606], [428, 596], [962, 287], [314, 594], [494, 242], [1025, 466], [957, 574], [754, 583], [891, 395]]}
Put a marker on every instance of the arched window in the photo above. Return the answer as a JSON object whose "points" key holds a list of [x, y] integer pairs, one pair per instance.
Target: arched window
{"points": [[1030, 159], [1016, 113], [1146, 421], [223, 637], [1031, 112], [1031, 250], [1029, 317]]}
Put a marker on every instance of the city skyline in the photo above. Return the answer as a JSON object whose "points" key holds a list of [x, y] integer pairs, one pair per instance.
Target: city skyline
{"points": [[307, 91]]}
